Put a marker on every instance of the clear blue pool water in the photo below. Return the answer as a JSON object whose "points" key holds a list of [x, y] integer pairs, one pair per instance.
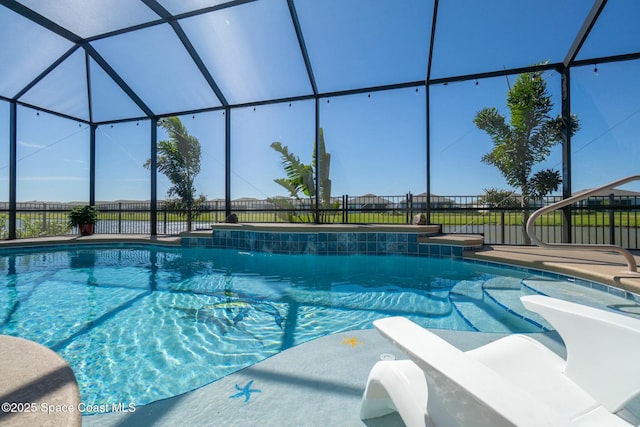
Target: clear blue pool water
{"points": [[143, 323]]}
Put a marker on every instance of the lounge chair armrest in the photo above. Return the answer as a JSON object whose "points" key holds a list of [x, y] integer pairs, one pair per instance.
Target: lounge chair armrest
{"points": [[602, 348], [476, 394]]}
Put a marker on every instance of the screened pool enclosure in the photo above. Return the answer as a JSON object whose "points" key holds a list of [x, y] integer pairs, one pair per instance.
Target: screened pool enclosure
{"points": [[389, 88]]}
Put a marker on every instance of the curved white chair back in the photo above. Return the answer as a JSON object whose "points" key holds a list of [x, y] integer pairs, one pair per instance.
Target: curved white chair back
{"points": [[603, 348]]}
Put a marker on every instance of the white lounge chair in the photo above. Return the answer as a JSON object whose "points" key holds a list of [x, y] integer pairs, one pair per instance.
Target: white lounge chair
{"points": [[513, 381]]}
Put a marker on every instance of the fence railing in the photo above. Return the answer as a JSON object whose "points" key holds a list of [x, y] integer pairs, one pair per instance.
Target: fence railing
{"points": [[596, 220], [531, 223]]}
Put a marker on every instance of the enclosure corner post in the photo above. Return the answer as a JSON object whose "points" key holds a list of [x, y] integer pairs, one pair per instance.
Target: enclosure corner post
{"points": [[13, 141], [153, 208], [566, 153], [92, 165], [316, 154], [227, 162]]}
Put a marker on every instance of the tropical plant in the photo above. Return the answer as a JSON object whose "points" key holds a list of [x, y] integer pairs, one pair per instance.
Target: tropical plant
{"points": [[38, 228], [83, 217], [527, 140], [178, 159], [496, 198], [322, 168], [301, 181]]}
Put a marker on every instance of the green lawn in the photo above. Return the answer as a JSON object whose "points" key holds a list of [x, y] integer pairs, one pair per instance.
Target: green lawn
{"points": [[33, 224], [624, 219]]}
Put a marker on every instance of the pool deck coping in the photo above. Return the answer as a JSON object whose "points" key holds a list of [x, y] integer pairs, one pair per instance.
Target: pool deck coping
{"points": [[601, 266], [168, 240]]}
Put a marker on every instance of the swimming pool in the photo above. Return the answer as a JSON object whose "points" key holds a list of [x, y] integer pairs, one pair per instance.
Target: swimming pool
{"points": [[142, 323]]}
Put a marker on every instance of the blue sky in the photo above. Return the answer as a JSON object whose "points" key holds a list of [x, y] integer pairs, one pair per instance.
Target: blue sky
{"points": [[376, 140]]}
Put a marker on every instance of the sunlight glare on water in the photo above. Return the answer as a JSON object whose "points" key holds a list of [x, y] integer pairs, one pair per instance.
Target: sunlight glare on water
{"points": [[139, 324]]}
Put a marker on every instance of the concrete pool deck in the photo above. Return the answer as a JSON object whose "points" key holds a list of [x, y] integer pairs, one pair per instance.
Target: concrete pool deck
{"points": [[37, 387], [321, 382]]}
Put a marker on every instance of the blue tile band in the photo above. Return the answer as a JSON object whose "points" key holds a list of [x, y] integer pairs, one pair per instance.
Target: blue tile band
{"points": [[324, 243]]}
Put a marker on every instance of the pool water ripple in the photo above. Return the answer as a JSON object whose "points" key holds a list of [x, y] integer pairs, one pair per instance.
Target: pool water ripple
{"points": [[139, 324]]}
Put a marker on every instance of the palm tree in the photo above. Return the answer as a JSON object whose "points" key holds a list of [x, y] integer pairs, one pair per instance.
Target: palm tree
{"points": [[322, 169], [527, 140], [178, 159], [497, 198], [301, 178]]}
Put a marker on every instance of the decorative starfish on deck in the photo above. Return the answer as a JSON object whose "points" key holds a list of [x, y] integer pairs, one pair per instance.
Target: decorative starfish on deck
{"points": [[353, 341], [245, 391]]}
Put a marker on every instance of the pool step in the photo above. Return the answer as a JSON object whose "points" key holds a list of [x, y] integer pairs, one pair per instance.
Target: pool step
{"points": [[467, 299], [508, 300], [582, 293], [489, 305], [468, 288], [474, 313]]}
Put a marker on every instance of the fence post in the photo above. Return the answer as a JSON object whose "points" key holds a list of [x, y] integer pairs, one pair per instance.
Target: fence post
{"points": [[164, 213], [502, 227], [345, 208], [612, 218], [44, 217], [119, 217]]}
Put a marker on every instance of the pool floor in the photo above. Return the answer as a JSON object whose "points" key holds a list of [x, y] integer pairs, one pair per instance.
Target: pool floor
{"points": [[318, 383]]}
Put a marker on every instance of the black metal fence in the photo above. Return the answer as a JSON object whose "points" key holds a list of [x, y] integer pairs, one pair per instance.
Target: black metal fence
{"points": [[596, 220]]}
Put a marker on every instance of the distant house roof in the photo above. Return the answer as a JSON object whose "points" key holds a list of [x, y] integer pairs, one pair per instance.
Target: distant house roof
{"points": [[616, 192], [370, 199], [422, 197], [281, 198]]}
